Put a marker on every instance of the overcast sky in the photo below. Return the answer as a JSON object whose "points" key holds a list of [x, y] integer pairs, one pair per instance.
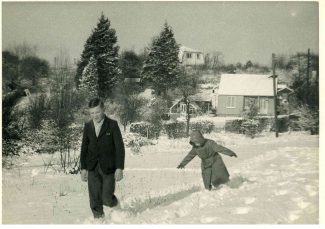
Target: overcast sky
{"points": [[240, 30]]}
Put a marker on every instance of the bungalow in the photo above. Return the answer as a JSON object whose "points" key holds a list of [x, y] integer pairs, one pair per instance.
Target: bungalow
{"points": [[199, 104], [190, 57], [237, 91], [284, 93]]}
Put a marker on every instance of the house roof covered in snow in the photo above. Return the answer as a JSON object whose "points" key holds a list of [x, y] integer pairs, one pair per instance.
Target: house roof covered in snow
{"points": [[204, 95], [246, 84], [284, 88], [187, 49]]}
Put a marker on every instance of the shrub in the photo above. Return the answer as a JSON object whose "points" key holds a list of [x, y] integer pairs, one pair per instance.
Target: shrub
{"points": [[10, 115], [305, 119], [135, 141], [234, 126], [250, 127], [10, 147], [175, 129], [37, 110], [265, 124], [145, 129], [204, 126]]}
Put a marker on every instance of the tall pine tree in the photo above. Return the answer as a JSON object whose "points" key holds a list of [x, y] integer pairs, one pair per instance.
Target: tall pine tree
{"points": [[89, 78], [102, 45], [161, 66]]}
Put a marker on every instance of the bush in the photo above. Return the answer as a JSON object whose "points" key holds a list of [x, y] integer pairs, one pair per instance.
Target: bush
{"points": [[203, 125], [175, 129], [136, 141], [10, 147], [305, 118], [283, 124], [10, 115], [37, 111], [250, 127], [234, 126], [265, 124], [178, 129], [145, 129]]}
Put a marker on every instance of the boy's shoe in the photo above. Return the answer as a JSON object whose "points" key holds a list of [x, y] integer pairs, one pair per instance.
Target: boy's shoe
{"points": [[99, 219], [116, 205]]}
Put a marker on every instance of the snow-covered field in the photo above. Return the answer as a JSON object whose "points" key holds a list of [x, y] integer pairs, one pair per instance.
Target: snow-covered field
{"points": [[273, 181]]}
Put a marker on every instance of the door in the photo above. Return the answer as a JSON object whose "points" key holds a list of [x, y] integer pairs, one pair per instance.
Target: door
{"points": [[264, 105]]}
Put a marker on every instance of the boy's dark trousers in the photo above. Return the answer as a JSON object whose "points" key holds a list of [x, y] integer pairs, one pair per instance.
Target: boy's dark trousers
{"points": [[101, 189]]}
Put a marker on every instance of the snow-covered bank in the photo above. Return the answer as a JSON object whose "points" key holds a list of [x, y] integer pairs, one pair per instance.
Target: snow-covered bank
{"points": [[272, 181]]}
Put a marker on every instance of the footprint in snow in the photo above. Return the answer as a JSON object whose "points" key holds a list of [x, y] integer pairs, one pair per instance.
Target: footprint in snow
{"points": [[280, 192], [283, 183], [181, 213], [311, 190], [300, 202], [119, 216], [208, 219], [294, 215], [242, 210], [249, 200], [35, 172]]}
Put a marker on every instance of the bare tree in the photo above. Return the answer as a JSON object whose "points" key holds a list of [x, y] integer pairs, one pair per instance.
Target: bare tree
{"points": [[186, 87], [23, 50]]}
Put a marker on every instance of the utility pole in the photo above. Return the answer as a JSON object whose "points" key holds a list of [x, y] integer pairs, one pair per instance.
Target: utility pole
{"points": [[298, 65], [307, 76], [275, 97]]}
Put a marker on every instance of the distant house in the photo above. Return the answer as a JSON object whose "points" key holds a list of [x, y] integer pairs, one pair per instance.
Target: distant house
{"points": [[237, 91], [283, 93], [190, 57], [200, 103]]}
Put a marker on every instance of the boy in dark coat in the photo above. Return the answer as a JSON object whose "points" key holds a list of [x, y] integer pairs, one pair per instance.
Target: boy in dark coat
{"points": [[102, 158], [214, 171]]}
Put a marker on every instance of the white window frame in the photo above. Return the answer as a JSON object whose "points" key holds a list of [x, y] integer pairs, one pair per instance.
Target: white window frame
{"points": [[231, 102]]}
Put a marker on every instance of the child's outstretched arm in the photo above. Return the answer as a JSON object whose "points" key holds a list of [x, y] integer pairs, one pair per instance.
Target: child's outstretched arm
{"points": [[187, 159], [221, 149]]}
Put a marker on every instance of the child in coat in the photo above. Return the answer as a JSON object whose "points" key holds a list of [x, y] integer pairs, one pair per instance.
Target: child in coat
{"points": [[214, 171]]}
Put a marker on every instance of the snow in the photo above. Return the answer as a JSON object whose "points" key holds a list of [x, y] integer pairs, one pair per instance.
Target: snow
{"points": [[273, 181]]}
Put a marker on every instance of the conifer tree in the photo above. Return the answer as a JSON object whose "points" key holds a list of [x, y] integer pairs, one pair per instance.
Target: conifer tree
{"points": [[102, 45], [161, 66], [89, 78]]}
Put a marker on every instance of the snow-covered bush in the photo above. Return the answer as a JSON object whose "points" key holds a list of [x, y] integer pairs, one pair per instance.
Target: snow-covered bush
{"points": [[265, 123], [37, 110], [10, 147], [135, 141], [234, 126], [175, 129], [178, 129], [144, 129], [304, 118], [204, 126], [250, 127]]}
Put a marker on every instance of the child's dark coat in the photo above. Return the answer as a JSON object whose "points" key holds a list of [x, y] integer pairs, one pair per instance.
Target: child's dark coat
{"points": [[213, 168]]}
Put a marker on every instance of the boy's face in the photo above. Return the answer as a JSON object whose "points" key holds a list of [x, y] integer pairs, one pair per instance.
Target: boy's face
{"points": [[96, 113]]}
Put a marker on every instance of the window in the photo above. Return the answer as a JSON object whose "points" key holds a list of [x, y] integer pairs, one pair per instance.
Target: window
{"points": [[230, 102], [188, 55], [183, 108], [198, 56]]}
